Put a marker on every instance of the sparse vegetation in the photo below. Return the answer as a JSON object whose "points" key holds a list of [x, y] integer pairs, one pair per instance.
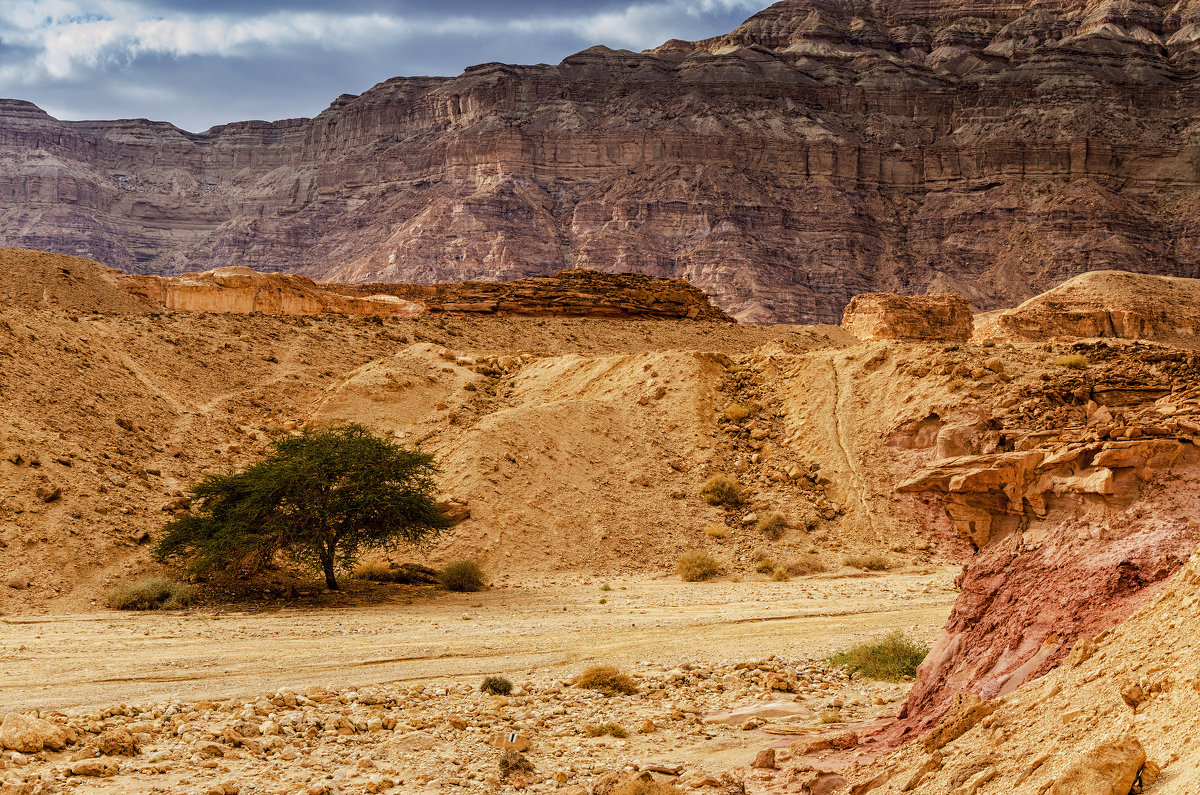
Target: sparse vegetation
{"points": [[765, 566], [717, 531], [1072, 361], [155, 593], [780, 575], [607, 729], [805, 565], [640, 786], [831, 715], [772, 524], [375, 569], [740, 411], [891, 659], [872, 562], [605, 587], [496, 685], [697, 565], [322, 496], [608, 679], [723, 490], [514, 763], [462, 576]]}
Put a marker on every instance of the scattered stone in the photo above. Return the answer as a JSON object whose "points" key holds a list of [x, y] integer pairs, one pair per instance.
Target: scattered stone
{"points": [[101, 767], [29, 735], [117, 742], [764, 759]]}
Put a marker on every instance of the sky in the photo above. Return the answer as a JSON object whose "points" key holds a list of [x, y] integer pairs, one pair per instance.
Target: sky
{"points": [[199, 63]]}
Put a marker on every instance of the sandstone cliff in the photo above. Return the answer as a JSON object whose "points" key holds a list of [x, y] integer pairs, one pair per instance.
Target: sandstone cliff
{"points": [[822, 150]]}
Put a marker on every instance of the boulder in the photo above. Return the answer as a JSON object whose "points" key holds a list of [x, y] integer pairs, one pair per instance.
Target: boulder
{"points": [[1110, 768], [913, 318], [29, 735]]}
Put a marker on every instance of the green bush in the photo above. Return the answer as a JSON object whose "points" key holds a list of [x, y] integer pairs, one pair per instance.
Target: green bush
{"points": [[722, 489], [608, 679], [462, 576], [696, 565], [496, 685], [772, 524], [156, 593], [892, 658], [873, 562], [607, 729]]}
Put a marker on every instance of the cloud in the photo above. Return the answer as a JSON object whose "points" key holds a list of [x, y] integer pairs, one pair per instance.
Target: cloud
{"points": [[91, 49]]}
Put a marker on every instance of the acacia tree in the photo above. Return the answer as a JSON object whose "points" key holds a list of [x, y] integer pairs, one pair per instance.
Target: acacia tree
{"points": [[321, 497]]}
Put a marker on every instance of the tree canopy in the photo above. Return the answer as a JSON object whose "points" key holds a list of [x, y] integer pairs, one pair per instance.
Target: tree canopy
{"points": [[322, 497]]}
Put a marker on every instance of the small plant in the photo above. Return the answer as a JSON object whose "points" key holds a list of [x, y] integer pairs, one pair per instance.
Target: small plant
{"points": [[513, 763], [780, 575], [739, 411], [608, 679], [765, 566], [603, 601], [640, 786], [873, 562], [375, 569], [717, 531], [722, 489], [605, 587], [805, 565], [831, 715], [696, 565], [496, 685], [891, 659], [607, 729], [1072, 361], [772, 524], [156, 593], [462, 576]]}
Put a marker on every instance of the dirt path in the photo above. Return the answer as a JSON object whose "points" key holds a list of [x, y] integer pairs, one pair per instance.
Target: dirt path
{"points": [[108, 657]]}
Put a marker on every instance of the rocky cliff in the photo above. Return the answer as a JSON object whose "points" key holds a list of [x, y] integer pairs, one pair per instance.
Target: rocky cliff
{"points": [[823, 149]]}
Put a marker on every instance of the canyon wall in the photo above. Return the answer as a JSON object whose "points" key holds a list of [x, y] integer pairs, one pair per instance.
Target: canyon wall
{"points": [[821, 150]]}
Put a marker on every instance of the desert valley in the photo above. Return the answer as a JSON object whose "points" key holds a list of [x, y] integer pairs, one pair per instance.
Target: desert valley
{"points": [[733, 355]]}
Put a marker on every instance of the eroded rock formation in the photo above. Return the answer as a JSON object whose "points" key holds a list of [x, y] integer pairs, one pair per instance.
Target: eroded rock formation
{"points": [[885, 316], [821, 150]]}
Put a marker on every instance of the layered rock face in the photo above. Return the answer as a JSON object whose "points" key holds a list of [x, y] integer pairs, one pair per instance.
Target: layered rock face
{"points": [[885, 316], [823, 149]]}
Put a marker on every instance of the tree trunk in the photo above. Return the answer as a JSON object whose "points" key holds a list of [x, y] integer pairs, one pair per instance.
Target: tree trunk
{"points": [[327, 566]]}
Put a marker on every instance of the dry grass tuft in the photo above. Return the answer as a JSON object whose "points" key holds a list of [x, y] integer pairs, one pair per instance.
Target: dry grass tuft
{"points": [[156, 593], [608, 679], [765, 566], [607, 729], [697, 565], [514, 762], [772, 524], [805, 565], [462, 576], [1072, 361], [722, 489], [873, 562], [717, 531], [740, 411], [375, 569], [640, 786]]}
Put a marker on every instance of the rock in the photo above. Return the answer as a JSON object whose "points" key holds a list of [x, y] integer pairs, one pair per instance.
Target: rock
{"points": [[762, 710], [29, 735], [884, 316], [966, 711], [208, 749], [764, 759], [458, 723], [101, 767], [647, 727], [117, 742], [48, 493], [511, 741], [1110, 768], [839, 741]]}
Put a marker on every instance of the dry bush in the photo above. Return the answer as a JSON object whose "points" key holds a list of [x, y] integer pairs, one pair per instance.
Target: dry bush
{"points": [[772, 524], [717, 531], [373, 568], [872, 562], [892, 658], [607, 729], [462, 575], [496, 685], [722, 489], [697, 565], [1072, 361], [608, 679], [514, 762], [765, 566], [831, 715], [156, 593], [740, 411], [640, 786], [780, 575], [805, 565]]}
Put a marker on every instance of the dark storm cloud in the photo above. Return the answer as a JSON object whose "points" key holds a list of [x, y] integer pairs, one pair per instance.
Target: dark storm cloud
{"points": [[203, 62]]}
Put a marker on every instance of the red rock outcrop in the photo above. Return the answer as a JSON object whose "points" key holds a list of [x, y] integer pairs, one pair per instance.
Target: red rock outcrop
{"points": [[1078, 514], [885, 316], [821, 150]]}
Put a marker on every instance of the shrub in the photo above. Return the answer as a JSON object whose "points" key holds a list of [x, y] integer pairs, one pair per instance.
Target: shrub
{"points": [[375, 569], [462, 576], [607, 729], [780, 576], [806, 564], [640, 786], [608, 679], [892, 658], [765, 567], [514, 762], [156, 593], [740, 411], [831, 715], [717, 531], [722, 489], [1072, 361], [696, 565], [772, 524], [496, 685], [605, 587], [873, 562]]}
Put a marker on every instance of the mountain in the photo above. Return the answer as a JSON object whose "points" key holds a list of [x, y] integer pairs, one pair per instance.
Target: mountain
{"points": [[824, 148]]}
